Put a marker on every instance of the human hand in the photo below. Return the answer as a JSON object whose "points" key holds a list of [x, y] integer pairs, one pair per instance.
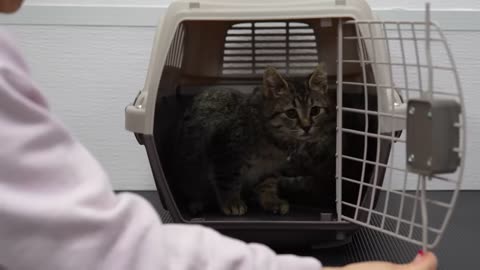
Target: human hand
{"points": [[427, 261]]}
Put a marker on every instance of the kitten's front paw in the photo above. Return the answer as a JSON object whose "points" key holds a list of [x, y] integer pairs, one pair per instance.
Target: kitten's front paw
{"points": [[234, 207], [276, 206]]}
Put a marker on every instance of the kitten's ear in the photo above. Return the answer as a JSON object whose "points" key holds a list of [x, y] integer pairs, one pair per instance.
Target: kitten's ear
{"points": [[318, 81], [273, 83]]}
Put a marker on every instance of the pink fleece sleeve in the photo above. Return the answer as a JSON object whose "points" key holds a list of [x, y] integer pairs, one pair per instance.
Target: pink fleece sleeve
{"points": [[58, 210]]}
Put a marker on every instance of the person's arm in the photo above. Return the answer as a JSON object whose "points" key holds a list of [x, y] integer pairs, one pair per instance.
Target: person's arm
{"points": [[58, 210]]}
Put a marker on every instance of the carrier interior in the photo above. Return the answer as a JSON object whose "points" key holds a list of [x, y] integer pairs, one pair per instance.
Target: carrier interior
{"points": [[206, 54]]}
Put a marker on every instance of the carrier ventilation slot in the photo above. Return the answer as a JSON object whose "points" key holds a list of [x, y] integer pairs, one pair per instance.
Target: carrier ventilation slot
{"points": [[175, 54], [291, 47]]}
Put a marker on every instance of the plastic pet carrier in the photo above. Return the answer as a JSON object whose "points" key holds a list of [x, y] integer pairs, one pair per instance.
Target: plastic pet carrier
{"points": [[398, 119]]}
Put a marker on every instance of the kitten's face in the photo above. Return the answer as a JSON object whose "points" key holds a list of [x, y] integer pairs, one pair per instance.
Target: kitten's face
{"points": [[296, 110]]}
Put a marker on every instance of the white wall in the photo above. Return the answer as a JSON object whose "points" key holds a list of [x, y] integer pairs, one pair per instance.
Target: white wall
{"points": [[99, 2], [92, 61], [437, 4]]}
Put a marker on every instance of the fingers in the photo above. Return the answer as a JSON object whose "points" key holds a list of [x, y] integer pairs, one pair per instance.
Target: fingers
{"points": [[426, 261]]}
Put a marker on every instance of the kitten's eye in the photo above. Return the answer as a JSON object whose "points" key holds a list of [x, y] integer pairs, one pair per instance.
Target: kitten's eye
{"points": [[292, 113], [315, 111]]}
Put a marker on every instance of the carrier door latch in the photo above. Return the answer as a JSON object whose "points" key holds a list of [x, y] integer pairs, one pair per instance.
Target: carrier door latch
{"points": [[433, 135]]}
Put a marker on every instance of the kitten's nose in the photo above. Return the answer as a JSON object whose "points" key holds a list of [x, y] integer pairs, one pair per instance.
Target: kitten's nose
{"points": [[306, 124], [306, 128]]}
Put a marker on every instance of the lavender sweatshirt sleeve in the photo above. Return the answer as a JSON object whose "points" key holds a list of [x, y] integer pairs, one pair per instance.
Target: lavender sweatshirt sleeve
{"points": [[58, 210]]}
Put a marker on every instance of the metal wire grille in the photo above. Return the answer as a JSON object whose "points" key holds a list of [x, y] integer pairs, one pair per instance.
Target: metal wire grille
{"points": [[290, 47], [410, 70]]}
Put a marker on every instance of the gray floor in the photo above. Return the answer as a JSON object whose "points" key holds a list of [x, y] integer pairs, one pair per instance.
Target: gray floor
{"points": [[457, 251]]}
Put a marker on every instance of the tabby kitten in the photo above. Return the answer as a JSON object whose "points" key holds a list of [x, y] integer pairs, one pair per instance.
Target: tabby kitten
{"points": [[238, 146]]}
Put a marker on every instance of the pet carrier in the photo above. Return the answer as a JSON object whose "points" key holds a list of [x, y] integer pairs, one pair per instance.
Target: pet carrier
{"points": [[399, 112]]}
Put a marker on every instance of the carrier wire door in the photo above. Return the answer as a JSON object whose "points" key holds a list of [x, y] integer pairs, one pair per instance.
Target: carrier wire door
{"points": [[432, 93]]}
